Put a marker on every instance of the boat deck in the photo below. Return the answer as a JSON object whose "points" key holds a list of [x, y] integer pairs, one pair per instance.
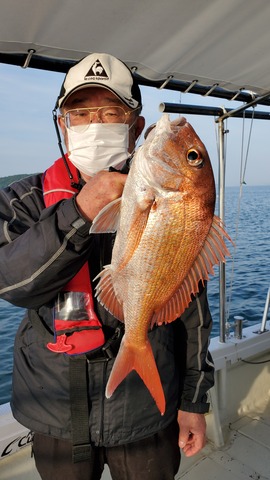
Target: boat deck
{"points": [[245, 456]]}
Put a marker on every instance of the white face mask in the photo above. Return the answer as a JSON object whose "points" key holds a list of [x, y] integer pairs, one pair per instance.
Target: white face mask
{"points": [[101, 146]]}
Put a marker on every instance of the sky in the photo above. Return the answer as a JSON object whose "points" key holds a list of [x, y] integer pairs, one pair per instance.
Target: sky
{"points": [[29, 143]]}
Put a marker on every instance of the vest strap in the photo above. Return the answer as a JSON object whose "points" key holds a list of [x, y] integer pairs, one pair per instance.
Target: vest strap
{"points": [[81, 449]]}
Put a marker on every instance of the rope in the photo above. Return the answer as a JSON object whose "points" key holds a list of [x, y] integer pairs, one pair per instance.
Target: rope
{"points": [[243, 167]]}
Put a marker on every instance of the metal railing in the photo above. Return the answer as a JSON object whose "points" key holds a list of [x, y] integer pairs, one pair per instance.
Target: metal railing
{"points": [[221, 115], [265, 313]]}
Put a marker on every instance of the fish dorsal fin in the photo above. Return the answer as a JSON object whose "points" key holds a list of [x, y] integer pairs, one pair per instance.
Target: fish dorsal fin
{"points": [[214, 251], [106, 295], [107, 220]]}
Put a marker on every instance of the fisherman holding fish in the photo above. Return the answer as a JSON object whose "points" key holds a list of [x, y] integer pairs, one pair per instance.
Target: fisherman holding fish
{"points": [[111, 362]]}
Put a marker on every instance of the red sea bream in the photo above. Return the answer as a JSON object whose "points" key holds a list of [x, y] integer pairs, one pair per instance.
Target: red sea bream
{"points": [[168, 239]]}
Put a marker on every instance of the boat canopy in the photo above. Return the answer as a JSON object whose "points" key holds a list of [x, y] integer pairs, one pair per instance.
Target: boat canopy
{"points": [[206, 46]]}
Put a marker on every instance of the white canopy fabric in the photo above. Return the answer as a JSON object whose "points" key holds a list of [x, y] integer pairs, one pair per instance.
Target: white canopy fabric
{"points": [[224, 42]]}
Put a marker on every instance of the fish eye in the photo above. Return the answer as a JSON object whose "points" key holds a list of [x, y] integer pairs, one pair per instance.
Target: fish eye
{"points": [[194, 157]]}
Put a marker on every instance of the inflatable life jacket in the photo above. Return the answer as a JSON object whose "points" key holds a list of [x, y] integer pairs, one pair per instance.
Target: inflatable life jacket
{"points": [[77, 329]]}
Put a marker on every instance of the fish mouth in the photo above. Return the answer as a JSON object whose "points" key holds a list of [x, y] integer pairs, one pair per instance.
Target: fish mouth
{"points": [[179, 122], [174, 124]]}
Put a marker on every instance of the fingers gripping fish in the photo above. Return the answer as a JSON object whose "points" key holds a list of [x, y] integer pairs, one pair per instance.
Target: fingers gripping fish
{"points": [[168, 239]]}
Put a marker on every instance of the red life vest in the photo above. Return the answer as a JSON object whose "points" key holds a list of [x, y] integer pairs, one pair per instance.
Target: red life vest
{"points": [[76, 327]]}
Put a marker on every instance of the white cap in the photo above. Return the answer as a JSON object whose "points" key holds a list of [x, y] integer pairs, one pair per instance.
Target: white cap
{"points": [[103, 70]]}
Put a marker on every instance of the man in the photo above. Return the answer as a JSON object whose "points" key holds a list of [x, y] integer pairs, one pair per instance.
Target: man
{"points": [[67, 343]]}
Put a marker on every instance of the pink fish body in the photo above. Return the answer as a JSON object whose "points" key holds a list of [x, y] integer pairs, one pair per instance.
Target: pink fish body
{"points": [[168, 239]]}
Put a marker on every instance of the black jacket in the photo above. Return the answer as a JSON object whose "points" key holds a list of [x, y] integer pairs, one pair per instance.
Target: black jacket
{"points": [[41, 250]]}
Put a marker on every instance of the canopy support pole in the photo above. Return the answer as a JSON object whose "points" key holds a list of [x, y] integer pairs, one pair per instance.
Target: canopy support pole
{"points": [[28, 58], [221, 190]]}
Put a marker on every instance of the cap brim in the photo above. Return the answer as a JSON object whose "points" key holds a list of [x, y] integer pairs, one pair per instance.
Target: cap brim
{"points": [[64, 99]]}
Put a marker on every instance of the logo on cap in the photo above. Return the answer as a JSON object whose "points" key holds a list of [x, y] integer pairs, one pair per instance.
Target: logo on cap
{"points": [[96, 72]]}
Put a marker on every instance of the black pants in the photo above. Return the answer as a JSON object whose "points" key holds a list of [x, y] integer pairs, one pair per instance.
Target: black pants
{"points": [[153, 458]]}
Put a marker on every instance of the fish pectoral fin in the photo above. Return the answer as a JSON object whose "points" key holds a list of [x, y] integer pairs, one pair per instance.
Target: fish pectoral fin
{"points": [[106, 295], [143, 362], [107, 220], [213, 251], [137, 227]]}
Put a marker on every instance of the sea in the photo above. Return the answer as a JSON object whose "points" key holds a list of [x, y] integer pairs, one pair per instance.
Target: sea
{"points": [[247, 219]]}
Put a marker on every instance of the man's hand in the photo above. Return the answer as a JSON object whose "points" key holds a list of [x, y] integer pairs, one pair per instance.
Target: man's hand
{"points": [[101, 189], [192, 432]]}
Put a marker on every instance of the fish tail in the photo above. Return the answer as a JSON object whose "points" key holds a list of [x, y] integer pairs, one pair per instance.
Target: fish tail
{"points": [[142, 361]]}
